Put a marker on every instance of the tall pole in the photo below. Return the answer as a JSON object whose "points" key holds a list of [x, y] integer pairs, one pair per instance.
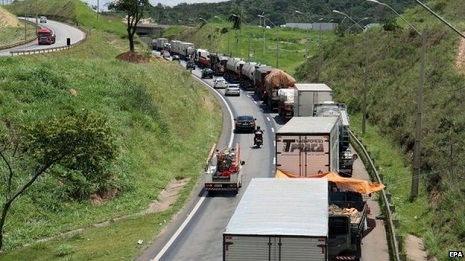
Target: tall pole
{"points": [[308, 30], [417, 149], [277, 40], [264, 28], [25, 28], [418, 127], [277, 49], [320, 55], [365, 71], [365, 85]]}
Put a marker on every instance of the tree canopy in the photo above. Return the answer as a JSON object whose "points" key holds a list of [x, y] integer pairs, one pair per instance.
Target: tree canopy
{"points": [[134, 10]]}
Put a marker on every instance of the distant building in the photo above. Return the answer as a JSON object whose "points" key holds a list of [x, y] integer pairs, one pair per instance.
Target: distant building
{"points": [[313, 26]]}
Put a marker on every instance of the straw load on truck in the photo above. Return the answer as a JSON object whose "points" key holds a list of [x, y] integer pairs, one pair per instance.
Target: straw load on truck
{"points": [[275, 80]]}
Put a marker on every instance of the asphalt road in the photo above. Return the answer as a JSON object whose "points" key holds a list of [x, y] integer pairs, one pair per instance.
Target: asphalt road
{"points": [[196, 233], [62, 32]]}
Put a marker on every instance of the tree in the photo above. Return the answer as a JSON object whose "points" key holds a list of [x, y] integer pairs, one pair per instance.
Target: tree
{"points": [[81, 142], [135, 10]]}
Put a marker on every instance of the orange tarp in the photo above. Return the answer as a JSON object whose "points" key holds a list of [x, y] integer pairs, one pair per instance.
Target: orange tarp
{"points": [[350, 184]]}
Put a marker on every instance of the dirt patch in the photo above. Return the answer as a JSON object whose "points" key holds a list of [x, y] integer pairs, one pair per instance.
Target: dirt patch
{"points": [[415, 249], [460, 59], [7, 19], [168, 196], [134, 57]]}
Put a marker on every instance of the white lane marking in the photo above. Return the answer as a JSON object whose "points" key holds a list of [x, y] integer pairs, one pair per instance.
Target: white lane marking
{"points": [[202, 199], [181, 228]]}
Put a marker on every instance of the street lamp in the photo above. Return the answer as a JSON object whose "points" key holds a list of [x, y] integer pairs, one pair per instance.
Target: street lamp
{"points": [[417, 148], [310, 19], [277, 40], [264, 28], [365, 81], [358, 22], [211, 34], [228, 32]]}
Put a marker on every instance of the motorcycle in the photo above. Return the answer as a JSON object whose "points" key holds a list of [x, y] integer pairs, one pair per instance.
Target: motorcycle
{"points": [[258, 139]]}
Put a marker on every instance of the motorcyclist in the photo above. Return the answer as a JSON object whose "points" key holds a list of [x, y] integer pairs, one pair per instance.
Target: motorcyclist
{"points": [[258, 135]]}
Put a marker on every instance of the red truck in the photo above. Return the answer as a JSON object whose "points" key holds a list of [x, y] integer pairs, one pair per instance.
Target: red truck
{"points": [[46, 36]]}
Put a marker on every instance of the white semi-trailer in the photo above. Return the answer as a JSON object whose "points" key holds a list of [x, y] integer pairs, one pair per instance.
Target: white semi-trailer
{"points": [[279, 219], [308, 145]]}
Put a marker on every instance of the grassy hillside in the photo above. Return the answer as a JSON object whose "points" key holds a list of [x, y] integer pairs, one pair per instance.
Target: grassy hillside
{"points": [[393, 81], [393, 74], [164, 125]]}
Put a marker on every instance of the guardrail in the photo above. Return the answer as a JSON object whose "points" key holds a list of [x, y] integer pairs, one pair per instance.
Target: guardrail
{"points": [[48, 50], [373, 171]]}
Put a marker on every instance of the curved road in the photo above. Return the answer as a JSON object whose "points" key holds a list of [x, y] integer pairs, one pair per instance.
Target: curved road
{"points": [[196, 233], [62, 32]]}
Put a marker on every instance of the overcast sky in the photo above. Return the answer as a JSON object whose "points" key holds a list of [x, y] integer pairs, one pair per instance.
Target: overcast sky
{"points": [[154, 2]]}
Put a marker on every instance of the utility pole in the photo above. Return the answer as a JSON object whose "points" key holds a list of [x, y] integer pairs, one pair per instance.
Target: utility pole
{"points": [[417, 149]]}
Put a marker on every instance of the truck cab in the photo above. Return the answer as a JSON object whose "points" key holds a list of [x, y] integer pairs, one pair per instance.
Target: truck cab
{"points": [[46, 36], [347, 219]]}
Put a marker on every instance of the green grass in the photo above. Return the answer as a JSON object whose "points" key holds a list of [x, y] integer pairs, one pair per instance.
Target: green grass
{"points": [[285, 48], [164, 124], [12, 35], [103, 85]]}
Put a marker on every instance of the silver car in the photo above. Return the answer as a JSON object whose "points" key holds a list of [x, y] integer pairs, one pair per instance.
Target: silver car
{"points": [[232, 89], [220, 82]]}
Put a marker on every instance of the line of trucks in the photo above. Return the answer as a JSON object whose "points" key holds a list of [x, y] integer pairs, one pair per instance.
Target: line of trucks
{"points": [[286, 219], [299, 218]]}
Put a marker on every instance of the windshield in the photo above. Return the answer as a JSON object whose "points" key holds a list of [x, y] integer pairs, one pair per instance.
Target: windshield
{"points": [[245, 118]]}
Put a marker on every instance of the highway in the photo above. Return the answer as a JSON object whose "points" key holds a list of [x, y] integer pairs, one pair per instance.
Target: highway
{"points": [[63, 32], [196, 233]]}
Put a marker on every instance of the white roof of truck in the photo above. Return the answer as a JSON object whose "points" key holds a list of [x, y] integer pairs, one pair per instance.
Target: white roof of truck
{"points": [[292, 207], [312, 87], [309, 125]]}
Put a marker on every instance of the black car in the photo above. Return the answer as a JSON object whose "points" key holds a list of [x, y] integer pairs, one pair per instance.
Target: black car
{"points": [[245, 123], [190, 65], [207, 73]]}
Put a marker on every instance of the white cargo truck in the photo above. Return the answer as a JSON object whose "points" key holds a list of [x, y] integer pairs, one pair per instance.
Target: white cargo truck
{"points": [[306, 95], [308, 145], [279, 219]]}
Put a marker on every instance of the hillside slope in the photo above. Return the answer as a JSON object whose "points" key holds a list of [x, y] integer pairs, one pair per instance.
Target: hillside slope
{"points": [[393, 74], [7, 19]]}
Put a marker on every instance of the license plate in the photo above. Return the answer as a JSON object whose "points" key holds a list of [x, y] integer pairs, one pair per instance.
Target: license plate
{"points": [[217, 185]]}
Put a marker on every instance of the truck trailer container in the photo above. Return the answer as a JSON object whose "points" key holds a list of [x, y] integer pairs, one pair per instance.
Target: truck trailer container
{"points": [[306, 95], [279, 219], [308, 145], [333, 109]]}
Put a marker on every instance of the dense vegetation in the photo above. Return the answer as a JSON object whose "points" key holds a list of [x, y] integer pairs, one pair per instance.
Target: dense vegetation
{"points": [[278, 11], [393, 71]]}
